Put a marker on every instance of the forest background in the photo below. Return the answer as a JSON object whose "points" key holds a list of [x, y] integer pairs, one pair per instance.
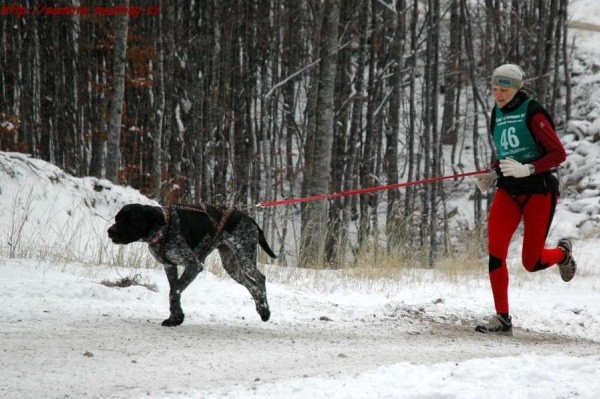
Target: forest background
{"points": [[237, 102]]}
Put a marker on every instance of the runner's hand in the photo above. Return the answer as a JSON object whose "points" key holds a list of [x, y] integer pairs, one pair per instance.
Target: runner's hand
{"points": [[510, 167]]}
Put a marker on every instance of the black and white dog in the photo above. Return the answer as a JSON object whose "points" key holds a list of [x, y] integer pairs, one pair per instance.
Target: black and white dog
{"points": [[185, 234]]}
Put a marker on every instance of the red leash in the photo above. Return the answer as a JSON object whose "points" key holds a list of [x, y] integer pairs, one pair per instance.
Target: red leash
{"points": [[367, 190]]}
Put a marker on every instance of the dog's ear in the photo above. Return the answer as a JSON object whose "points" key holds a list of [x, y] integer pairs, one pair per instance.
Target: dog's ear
{"points": [[155, 215]]}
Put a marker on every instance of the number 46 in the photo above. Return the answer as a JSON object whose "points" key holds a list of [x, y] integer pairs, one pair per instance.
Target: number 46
{"points": [[509, 138]]}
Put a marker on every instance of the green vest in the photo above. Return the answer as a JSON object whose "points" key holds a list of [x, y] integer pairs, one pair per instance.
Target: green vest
{"points": [[512, 137]]}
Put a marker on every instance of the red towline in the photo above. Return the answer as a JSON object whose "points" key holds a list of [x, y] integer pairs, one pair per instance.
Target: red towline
{"points": [[367, 190]]}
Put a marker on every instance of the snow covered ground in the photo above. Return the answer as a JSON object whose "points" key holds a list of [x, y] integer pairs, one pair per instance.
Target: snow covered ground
{"points": [[65, 334]]}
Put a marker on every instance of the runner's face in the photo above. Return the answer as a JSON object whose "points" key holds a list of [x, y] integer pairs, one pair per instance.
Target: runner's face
{"points": [[502, 95]]}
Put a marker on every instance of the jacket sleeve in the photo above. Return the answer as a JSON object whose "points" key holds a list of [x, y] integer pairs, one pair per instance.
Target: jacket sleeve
{"points": [[553, 151]]}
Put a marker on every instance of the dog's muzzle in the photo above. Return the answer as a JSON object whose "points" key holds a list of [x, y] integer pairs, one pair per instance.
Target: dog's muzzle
{"points": [[111, 234]]}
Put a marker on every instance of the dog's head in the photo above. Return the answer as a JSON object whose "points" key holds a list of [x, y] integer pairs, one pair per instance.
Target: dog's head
{"points": [[135, 222]]}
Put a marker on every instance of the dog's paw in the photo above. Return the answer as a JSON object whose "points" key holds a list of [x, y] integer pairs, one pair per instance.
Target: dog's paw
{"points": [[172, 321], [264, 313]]}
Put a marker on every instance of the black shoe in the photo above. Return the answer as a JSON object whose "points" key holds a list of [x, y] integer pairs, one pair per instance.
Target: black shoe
{"points": [[567, 267], [496, 324]]}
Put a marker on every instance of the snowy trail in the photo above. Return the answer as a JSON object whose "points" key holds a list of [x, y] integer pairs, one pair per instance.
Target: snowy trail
{"points": [[63, 334], [136, 357]]}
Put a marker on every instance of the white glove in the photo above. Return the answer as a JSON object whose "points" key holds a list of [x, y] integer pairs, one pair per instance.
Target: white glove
{"points": [[510, 167], [483, 182]]}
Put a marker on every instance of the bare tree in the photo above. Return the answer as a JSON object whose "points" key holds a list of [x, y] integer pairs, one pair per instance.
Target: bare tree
{"points": [[314, 227], [113, 158], [158, 102], [393, 132], [565, 58], [451, 78]]}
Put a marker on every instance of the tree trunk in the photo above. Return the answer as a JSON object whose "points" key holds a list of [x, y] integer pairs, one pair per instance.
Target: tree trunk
{"points": [[565, 59], [411, 193], [113, 158], [314, 231], [159, 114], [367, 164], [452, 74], [436, 148], [393, 224]]}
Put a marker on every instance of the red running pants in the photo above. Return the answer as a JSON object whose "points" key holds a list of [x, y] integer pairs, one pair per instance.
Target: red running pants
{"points": [[506, 212]]}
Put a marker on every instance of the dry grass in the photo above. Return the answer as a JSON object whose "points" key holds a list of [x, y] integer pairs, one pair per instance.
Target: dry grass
{"points": [[46, 237], [213, 266], [375, 268], [128, 281]]}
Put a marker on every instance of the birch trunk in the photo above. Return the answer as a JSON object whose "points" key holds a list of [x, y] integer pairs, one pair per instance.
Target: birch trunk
{"points": [[113, 158]]}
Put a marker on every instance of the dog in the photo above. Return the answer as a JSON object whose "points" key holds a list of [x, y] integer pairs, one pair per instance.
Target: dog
{"points": [[185, 234]]}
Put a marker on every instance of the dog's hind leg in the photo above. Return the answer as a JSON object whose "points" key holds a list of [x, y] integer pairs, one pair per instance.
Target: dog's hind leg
{"points": [[241, 266]]}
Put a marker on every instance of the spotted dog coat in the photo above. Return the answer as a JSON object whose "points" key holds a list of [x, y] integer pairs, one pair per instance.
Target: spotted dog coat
{"points": [[184, 235]]}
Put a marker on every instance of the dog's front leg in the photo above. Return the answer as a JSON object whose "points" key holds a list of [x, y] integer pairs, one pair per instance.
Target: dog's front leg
{"points": [[176, 313], [191, 269]]}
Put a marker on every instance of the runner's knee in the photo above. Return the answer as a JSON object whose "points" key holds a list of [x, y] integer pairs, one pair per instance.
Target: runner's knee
{"points": [[494, 263]]}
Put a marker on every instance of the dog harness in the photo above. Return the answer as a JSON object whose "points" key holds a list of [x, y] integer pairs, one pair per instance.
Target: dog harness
{"points": [[219, 225]]}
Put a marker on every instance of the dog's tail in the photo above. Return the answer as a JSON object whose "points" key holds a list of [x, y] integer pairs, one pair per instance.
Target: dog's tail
{"points": [[263, 243]]}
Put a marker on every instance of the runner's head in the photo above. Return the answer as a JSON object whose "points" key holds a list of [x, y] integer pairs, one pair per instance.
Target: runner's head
{"points": [[507, 80]]}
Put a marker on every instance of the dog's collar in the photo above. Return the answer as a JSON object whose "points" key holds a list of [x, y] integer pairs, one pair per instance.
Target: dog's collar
{"points": [[167, 214], [156, 237], [160, 233]]}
